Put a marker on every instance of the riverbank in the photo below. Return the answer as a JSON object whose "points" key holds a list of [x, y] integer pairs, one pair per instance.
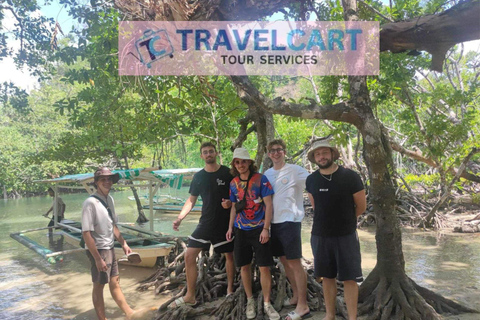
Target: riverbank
{"points": [[447, 263]]}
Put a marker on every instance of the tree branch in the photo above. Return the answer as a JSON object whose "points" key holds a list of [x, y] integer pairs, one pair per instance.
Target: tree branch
{"points": [[445, 195], [434, 33], [336, 112], [417, 155], [242, 136], [369, 7]]}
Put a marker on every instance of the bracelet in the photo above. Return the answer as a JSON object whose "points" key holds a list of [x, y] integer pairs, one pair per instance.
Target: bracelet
{"points": [[266, 229]]}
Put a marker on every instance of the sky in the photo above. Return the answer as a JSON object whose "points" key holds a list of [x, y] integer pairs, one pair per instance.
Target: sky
{"points": [[23, 79]]}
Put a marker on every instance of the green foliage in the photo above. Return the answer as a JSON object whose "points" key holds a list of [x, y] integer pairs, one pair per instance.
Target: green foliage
{"points": [[14, 96], [428, 181], [25, 134], [85, 114], [476, 199], [31, 30]]}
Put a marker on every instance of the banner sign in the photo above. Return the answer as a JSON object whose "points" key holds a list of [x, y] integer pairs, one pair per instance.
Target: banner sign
{"points": [[295, 48]]}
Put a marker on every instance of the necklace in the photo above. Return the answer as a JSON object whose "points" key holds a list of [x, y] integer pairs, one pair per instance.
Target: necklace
{"points": [[331, 174], [328, 179]]}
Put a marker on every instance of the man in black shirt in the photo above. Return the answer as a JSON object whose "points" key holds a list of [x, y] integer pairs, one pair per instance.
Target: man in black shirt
{"points": [[213, 185], [338, 198]]}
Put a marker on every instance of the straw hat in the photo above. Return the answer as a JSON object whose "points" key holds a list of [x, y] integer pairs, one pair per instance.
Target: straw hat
{"points": [[322, 144], [241, 153], [105, 172]]}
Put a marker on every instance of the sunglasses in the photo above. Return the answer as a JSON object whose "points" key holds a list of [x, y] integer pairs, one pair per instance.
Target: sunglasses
{"points": [[278, 150]]}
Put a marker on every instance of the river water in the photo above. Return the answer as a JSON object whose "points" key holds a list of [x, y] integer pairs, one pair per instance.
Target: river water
{"points": [[31, 288]]}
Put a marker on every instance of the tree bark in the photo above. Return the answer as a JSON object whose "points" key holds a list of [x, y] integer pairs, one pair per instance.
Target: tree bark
{"points": [[434, 33], [201, 10]]}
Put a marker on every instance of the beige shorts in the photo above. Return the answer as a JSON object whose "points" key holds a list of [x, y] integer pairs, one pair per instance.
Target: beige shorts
{"points": [[109, 257]]}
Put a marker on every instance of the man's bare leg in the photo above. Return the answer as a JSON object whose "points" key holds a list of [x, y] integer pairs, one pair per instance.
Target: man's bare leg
{"points": [[246, 274], [300, 277], [266, 282], [230, 266], [291, 279], [330, 295], [191, 272], [98, 302], [351, 298], [118, 296]]}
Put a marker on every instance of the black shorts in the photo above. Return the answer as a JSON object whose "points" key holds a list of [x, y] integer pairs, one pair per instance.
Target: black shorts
{"points": [[337, 257], [203, 238], [287, 240], [246, 243]]}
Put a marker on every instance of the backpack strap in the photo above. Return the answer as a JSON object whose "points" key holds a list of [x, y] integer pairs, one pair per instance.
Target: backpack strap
{"points": [[246, 188], [105, 205]]}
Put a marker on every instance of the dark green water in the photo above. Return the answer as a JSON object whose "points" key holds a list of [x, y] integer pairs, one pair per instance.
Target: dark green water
{"points": [[447, 264]]}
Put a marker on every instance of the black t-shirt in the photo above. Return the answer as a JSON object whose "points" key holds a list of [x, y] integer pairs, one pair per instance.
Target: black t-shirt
{"points": [[334, 213], [212, 187]]}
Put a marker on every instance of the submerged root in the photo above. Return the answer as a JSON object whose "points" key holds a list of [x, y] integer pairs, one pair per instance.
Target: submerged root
{"points": [[401, 298]]}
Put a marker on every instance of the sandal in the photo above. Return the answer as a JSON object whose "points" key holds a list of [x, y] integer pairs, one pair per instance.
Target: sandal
{"points": [[293, 315], [180, 302]]}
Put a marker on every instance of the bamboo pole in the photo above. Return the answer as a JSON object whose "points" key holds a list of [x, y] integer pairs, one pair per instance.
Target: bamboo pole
{"points": [[34, 246], [30, 230], [57, 253]]}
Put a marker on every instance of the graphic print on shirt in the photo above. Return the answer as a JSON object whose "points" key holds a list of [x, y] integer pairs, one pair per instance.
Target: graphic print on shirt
{"points": [[254, 213]]}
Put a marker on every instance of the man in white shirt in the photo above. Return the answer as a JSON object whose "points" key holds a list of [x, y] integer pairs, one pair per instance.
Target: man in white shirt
{"points": [[99, 230], [288, 182]]}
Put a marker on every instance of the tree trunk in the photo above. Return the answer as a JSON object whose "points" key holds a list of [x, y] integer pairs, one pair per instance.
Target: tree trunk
{"points": [[387, 291], [265, 133], [270, 124]]}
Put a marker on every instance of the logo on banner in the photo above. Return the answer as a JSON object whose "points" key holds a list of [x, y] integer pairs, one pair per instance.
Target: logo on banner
{"points": [[153, 46]]}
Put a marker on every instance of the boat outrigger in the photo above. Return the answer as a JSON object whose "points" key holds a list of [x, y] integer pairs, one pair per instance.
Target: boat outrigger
{"points": [[150, 245]]}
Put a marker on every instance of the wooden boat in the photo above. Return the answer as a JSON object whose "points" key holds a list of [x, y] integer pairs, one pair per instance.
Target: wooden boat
{"points": [[149, 249], [150, 245]]}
